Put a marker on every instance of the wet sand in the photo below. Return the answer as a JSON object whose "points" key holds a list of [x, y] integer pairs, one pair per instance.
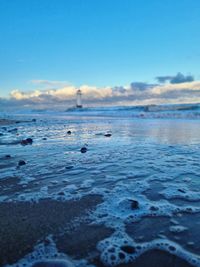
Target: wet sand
{"points": [[157, 258], [24, 224], [153, 258]]}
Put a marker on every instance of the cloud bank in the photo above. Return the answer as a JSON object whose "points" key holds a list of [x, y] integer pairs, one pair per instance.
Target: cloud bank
{"points": [[62, 95], [178, 78]]}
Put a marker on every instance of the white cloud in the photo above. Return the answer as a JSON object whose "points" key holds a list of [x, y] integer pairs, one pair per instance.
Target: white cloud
{"points": [[18, 95], [60, 94], [160, 89]]}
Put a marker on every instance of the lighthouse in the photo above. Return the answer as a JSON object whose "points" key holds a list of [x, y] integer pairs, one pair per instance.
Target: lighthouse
{"points": [[78, 99]]}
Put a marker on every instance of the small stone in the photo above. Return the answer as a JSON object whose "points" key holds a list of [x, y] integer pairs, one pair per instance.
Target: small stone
{"points": [[44, 138], [29, 141], [1, 134], [134, 204], [69, 132], [24, 142], [69, 167], [7, 156], [21, 163], [182, 191], [107, 135], [83, 149], [33, 120]]}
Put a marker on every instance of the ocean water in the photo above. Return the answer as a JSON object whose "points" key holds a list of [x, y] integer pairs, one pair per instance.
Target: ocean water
{"points": [[147, 171]]}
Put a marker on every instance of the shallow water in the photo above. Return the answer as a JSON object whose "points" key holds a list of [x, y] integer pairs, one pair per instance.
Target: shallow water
{"points": [[153, 162]]}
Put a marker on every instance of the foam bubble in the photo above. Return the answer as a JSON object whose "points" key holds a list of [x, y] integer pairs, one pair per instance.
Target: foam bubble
{"points": [[121, 249], [180, 191], [126, 203]]}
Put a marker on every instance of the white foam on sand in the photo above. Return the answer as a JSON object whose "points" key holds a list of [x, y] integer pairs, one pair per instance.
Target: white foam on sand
{"points": [[47, 252], [120, 248], [126, 203], [68, 192], [181, 191]]}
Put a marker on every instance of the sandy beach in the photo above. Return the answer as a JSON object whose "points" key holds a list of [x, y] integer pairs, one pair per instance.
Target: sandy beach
{"points": [[131, 199]]}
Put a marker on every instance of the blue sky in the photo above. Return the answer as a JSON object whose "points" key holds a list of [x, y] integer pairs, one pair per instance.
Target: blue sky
{"points": [[96, 42]]}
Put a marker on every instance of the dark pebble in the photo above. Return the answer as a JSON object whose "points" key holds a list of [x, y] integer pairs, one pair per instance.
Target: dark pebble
{"points": [[181, 190], [134, 204], [34, 120], [29, 140], [83, 149], [21, 163], [7, 156], [69, 167], [69, 132], [1, 134], [24, 143], [107, 135], [44, 138]]}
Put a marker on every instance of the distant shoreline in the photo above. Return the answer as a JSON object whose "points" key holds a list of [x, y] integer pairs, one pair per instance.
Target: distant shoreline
{"points": [[7, 122]]}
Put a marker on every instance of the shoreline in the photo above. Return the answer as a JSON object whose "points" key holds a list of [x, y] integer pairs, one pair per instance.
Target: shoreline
{"points": [[8, 122]]}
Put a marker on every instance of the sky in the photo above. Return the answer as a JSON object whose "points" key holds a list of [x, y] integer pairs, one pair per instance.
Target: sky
{"points": [[107, 48]]}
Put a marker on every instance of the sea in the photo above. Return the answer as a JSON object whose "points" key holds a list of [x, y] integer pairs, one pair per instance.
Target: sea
{"points": [[144, 163]]}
